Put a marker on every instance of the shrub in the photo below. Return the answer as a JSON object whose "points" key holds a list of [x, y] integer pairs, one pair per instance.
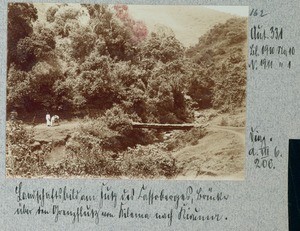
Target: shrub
{"points": [[21, 157], [88, 155], [116, 119], [91, 138], [149, 161]]}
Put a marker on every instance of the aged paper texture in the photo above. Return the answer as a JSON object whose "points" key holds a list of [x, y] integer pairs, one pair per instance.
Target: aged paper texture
{"points": [[152, 115]]}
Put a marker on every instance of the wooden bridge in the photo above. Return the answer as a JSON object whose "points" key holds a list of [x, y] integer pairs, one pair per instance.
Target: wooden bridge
{"points": [[167, 126]]}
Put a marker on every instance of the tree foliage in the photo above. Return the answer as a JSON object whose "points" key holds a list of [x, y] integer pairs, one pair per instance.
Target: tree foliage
{"points": [[221, 58], [20, 25], [96, 56], [137, 29]]}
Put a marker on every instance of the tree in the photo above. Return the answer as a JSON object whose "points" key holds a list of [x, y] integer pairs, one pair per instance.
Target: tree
{"points": [[200, 87], [50, 14], [98, 58], [162, 45], [137, 29], [82, 43], [166, 91], [110, 31], [36, 47], [32, 66], [64, 19], [20, 19]]}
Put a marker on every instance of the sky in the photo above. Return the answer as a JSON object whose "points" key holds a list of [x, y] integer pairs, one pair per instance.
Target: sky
{"points": [[188, 22], [237, 10]]}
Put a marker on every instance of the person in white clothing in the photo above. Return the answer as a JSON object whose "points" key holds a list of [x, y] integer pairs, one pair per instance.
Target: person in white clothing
{"points": [[54, 120], [48, 119]]}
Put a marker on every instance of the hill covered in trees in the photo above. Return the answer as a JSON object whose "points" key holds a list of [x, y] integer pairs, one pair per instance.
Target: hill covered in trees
{"points": [[97, 56], [221, 57], [98, 62]]}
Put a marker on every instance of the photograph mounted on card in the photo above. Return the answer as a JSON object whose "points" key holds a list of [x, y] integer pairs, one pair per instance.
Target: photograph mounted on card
{"points": [[126, 91]]}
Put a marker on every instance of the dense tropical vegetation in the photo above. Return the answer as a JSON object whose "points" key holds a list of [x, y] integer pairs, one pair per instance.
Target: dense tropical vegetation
{"points": [[98, 61]]}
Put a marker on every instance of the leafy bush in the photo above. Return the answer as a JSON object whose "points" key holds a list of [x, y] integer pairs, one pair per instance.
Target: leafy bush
{"points": [[90, 139], [116, 119], [97, 150], [90, 151], [21, 157], [149, 161]]}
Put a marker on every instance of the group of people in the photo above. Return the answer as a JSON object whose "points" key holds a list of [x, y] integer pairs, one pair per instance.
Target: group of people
{"points": [[51, 121]]}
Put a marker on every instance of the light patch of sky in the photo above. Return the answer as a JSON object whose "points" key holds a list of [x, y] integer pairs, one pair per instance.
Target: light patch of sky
{"points": [[236, 10]]}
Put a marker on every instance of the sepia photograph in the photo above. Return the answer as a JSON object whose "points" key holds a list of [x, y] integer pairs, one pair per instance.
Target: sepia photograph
{"points": [[126, 91]]}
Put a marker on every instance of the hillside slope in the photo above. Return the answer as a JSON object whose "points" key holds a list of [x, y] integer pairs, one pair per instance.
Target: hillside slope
{"points": [[222, 160], [187, 22], [221, 57]]}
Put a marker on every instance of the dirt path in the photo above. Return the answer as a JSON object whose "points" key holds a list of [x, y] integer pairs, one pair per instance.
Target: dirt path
{"points": [[42, 133], [239, 131], [218, 155], [57, 136]]}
